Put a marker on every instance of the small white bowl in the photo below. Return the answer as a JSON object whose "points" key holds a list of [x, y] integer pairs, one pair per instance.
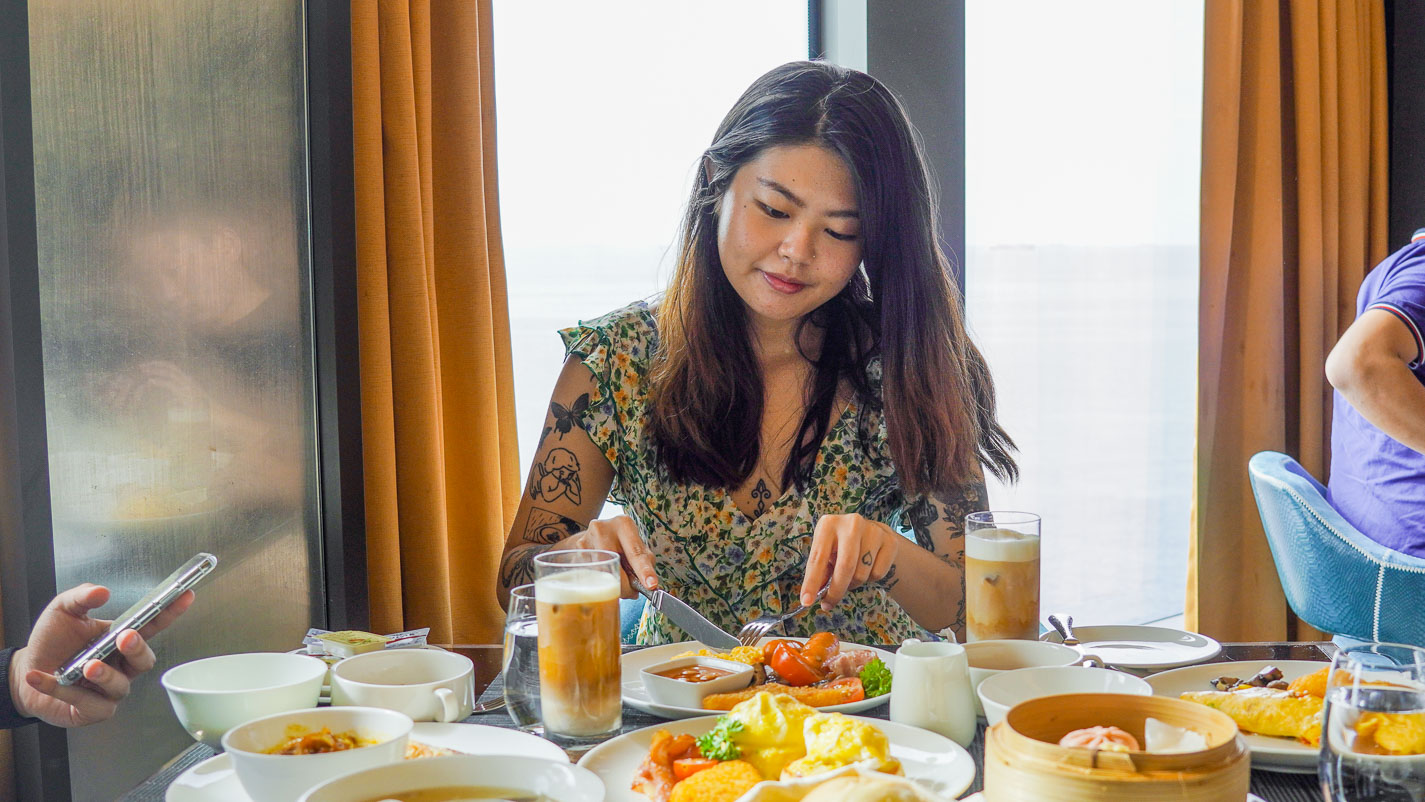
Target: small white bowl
{"points": [[213, 695], [1002, 691], [681, 693], [990, 657], [525, 775], [284, 778]]}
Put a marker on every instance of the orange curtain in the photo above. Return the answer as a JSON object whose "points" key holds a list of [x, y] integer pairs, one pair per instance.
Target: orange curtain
{"points": [[1294, 144], [437, 397]]}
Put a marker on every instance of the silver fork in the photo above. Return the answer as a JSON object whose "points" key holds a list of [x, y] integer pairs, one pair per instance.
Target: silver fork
{"points": [[758, 627]]}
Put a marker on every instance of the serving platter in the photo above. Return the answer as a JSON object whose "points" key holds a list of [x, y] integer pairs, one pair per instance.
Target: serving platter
{"points": [[1269, 752], [938, 764], [636, 696]]}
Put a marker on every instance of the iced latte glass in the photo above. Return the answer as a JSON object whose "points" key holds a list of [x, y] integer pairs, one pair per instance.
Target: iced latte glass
{"points": [[1001, 575], [576, 604]]}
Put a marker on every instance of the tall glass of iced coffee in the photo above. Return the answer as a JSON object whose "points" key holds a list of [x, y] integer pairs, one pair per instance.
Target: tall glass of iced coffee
{"points": [[576, 605], [1001, 575]]}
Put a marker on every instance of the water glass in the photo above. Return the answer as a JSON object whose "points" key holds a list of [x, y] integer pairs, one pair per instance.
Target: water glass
{"points": [[520, 667], [1373, 725], [576, 604], [1001, 576]]}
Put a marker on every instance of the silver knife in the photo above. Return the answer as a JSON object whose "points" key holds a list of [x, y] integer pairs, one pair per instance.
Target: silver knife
{"points": [[692, 621]]}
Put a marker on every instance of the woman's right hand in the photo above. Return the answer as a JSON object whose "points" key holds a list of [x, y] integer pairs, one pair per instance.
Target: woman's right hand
{"points": [[619, 535]]}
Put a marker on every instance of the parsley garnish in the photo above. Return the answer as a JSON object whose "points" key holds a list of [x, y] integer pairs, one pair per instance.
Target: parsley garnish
{"points": [[876, 678], [717, 743]]}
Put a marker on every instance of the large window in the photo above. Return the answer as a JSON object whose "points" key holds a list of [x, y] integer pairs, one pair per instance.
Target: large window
{"points": [[1082, 138], [602, 117]]}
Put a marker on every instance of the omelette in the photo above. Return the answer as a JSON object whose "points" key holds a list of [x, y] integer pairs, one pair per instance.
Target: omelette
{"points": [[1267, 711]]}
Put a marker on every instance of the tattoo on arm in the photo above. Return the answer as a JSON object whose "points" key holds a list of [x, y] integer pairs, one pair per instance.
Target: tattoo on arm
{"points": [[548, 526], [890, 580], [558, 477], [566, 418], [922, 514], [518, 566]]}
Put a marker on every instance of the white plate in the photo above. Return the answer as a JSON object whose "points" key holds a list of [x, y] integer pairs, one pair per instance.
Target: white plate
{"points": [[1142, 647], [636, 696], [980, 797], [1269, 752], [934, 761], [213, 780]]}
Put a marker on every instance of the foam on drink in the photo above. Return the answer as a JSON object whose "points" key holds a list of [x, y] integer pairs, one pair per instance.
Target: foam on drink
{"points": [[1001, 545], [579, 672]]}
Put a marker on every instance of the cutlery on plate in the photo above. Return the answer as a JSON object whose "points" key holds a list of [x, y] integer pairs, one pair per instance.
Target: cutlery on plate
{"points": [[755, 629], [1065, 628], [488, 707], [692, 621]]}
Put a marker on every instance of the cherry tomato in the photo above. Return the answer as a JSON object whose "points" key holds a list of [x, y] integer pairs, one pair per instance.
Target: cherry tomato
{"points": [[855, 691], [792, 667], [821, 647], [688, 766], [771, 646]]}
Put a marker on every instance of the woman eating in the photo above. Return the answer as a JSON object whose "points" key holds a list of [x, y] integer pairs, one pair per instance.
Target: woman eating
{"points": [[802, 392]]}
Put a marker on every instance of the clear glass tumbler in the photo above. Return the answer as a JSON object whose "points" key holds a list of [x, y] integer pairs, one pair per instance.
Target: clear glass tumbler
{"points": [[1001, 576], [576, 603], [1373, 725], [521, 661]]}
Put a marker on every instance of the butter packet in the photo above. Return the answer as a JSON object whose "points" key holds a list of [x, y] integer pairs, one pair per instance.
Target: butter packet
{"points": [[348, 643]]}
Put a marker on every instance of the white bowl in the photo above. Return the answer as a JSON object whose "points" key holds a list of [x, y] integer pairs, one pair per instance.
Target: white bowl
{"points": [[213, 695], [681, 693], [284, 778], [526, 775], [990, 657], [1005, 690]]}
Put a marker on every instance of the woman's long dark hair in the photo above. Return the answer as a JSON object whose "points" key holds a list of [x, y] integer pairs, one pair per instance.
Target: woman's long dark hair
{"points": [[706, 396]]}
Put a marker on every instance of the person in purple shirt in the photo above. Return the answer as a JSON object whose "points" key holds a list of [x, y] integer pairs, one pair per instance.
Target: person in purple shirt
{"points": [[1378, 427]]}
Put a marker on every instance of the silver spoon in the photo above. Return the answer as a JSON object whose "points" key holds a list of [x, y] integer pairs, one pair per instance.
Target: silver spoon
{"points": [[1065, 629]]}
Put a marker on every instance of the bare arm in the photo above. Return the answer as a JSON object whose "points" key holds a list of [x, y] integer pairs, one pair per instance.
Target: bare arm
{"points": [[566, 488], [926, 578], [1370, 367]]}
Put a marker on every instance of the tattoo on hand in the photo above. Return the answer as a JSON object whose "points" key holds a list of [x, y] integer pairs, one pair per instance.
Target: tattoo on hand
{"points": [[558, 477], [761, 494], [866, 558], [518, 566], [566, 418], [548, 526]]}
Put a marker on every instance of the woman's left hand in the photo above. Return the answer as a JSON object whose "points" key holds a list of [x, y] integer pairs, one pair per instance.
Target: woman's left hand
{"points": [[851, 550]]}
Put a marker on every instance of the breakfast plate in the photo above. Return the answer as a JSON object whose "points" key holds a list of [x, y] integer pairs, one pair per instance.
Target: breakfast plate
{"points": [[937, 763], [1154, 648], [213, 780], [1269, 752], [636, 696]]}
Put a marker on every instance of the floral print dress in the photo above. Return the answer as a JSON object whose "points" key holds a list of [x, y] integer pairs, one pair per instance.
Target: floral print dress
{"points": [[707, 551]]}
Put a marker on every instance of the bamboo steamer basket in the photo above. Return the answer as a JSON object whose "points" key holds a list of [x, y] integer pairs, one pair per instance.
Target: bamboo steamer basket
{"points": [[1023, 759]]}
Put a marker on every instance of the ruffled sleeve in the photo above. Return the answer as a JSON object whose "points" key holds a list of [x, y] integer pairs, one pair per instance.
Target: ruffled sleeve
{"points": [[616, 348]]}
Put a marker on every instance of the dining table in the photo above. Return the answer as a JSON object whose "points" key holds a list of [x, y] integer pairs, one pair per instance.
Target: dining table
{"points": [[1271, 786]]}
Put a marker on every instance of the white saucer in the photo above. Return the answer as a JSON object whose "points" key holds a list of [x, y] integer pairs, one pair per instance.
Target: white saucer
{"points": [[213, 780], [1156, 648]]}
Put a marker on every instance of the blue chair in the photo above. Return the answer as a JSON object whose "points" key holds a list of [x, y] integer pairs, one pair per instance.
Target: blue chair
{"points": [[1335, 578]]}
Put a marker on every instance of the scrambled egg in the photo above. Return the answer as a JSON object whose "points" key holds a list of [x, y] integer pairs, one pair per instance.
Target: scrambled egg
{"points": [[1393, 733], [748, 655], [772, 731], [833, 740]]}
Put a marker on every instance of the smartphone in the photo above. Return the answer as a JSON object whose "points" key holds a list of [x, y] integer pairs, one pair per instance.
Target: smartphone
{"points": [[144, 611]]}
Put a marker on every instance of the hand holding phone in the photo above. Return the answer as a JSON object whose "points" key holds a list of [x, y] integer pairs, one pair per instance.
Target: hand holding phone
{"points": [[65, 633], [144, 610]]}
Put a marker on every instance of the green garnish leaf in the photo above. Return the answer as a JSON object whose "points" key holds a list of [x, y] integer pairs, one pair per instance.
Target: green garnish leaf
{"points": [[876, 678], [717, 743]]}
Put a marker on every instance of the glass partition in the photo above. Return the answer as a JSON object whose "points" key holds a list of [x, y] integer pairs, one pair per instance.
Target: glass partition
{"points": [[170, 176]]}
